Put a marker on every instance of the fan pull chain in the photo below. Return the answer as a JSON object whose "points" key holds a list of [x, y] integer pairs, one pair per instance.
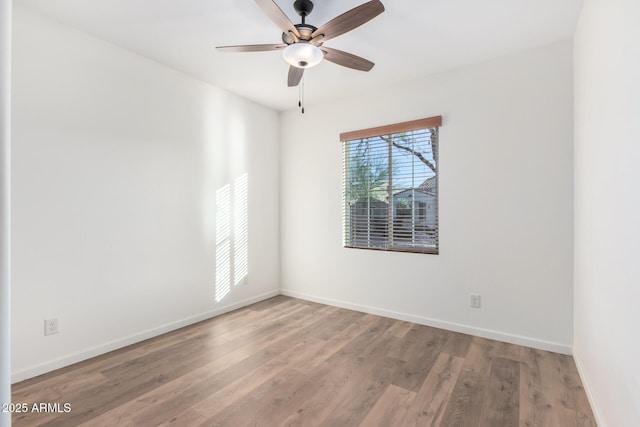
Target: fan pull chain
{"points": [[302, 95]]}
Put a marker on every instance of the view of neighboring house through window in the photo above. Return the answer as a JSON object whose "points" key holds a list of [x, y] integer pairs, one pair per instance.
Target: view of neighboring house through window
{"points": [[390, 188]]}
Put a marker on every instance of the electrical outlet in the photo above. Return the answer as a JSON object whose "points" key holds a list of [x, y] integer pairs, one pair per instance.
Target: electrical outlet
{"points": [[475, 301], [51, 326]]}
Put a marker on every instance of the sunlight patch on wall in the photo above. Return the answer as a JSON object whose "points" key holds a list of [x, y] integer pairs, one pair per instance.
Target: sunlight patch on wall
{"points": [[241, 229], [223, 242], [232, 236]]}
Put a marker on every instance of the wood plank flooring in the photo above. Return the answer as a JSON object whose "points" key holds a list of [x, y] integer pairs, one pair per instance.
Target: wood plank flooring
{"points": [[288, 362]]}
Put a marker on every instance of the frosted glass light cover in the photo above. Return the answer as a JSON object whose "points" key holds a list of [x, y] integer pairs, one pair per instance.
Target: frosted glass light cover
{"points": [[302, 55]]}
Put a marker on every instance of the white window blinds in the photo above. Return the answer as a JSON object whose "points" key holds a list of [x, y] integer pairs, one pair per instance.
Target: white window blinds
{"points": [[390, 189]]}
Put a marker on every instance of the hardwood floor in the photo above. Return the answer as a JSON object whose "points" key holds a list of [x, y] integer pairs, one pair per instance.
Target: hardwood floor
{"points": [[288, 362]]}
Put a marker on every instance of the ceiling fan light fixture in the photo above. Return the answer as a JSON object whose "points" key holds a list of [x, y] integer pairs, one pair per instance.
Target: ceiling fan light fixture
{"points": [[302, 55]]}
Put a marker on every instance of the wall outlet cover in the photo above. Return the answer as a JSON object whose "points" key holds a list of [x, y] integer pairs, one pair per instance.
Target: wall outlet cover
{"points": [[51, 326], [475, 301]]}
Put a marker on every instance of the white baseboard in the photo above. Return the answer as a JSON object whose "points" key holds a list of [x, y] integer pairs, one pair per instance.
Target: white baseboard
{"points": [[456, 327], [588, 390], [70, 359]]}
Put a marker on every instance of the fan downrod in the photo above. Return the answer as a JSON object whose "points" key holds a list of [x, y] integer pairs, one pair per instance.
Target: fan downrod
{"points": [[303, 8]]}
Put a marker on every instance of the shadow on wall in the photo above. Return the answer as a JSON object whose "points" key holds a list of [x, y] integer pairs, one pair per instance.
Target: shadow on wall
{"points": [[232, 236]]}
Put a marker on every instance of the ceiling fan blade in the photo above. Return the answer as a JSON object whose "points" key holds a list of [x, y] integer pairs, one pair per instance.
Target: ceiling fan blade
{"points": [[346, 59], [251, 47], [271, 9], [295, 75], [350, 20]]}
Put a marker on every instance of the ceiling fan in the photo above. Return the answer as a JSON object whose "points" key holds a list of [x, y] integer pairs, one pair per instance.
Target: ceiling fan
{"points": [[302, 45]]}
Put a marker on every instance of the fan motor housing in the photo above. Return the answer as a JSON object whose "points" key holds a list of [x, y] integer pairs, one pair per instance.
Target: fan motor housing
{"points": [[305, 31]]}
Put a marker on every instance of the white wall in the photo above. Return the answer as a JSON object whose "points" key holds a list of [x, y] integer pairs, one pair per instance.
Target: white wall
{"points": [[117, 161], [607, 208], [505, 202], [5, 202]]}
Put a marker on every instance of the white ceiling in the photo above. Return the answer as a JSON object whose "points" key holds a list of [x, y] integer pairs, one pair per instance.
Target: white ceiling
{"points": [[412, 38]]}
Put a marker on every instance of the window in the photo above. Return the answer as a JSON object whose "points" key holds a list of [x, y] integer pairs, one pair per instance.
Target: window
{"points": [[390, 189]]}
